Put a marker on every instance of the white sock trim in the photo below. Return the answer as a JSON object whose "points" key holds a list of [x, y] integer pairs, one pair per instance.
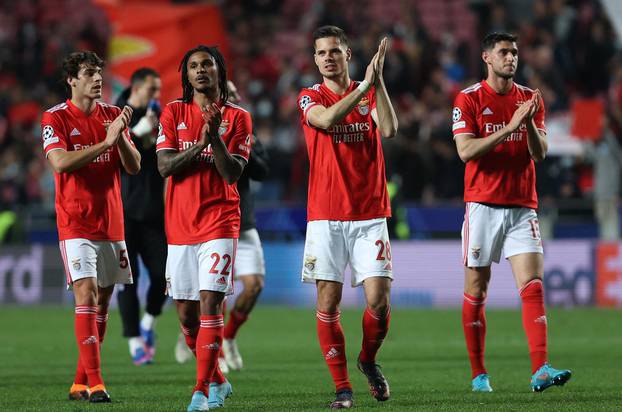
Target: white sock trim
{"points": [[147, 322]]}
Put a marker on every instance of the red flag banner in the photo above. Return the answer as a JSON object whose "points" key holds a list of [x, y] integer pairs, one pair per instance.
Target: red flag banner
{"points": [[156, 35]]}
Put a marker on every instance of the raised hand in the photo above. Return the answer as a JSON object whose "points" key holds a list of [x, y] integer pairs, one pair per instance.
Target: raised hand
{"points": [[382, 51], [117, 126], [371, 71], [521, 114], [537, 98]]}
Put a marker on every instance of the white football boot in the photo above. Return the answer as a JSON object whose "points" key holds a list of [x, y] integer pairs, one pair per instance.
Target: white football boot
{"points": [[232, 354], [183, 353]]}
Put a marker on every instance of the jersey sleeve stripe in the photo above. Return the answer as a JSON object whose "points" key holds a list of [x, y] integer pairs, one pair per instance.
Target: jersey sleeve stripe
{"points": [[471, 88], [51, 150], [167, 148], [464, 133], [235, 106], [60, 106]]}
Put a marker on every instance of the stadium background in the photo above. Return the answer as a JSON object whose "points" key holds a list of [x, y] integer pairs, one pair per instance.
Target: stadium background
{"points": [[570, 49]]}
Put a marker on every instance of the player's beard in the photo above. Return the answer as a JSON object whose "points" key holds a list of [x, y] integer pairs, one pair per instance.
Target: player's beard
{"points": [[506, 76]]}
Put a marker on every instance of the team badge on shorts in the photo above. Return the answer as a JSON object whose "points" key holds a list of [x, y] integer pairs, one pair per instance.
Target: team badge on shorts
{"points": [[363, 106], [310, 262], [224, 125], [76, 263], [475, 251]]}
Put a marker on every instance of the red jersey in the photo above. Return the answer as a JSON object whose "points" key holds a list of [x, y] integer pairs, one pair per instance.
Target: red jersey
{"points": [[200, 206], [506, 175], [346, 174], [88, 200]]}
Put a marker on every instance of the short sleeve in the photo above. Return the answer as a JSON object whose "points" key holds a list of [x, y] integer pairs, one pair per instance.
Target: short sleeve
{"points": [[307, 98], [242, 137], [53, 133], [167, 134], [463, 116], [539, 117]]}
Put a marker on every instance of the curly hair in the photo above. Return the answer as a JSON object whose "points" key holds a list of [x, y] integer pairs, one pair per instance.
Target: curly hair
{"points": [[74, 61], [188, 90]]}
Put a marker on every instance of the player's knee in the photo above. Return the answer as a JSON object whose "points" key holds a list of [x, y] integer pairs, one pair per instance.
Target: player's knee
{"points": [[257, 286], [477, 291], [327, 304], [211, 302], [85, 292], [379, 306], [188, 320]]}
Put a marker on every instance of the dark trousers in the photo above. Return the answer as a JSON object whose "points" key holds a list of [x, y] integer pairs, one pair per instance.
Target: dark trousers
{"points": [[147, 239]]}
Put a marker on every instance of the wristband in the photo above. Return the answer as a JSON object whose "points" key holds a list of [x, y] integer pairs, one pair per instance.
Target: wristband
{"points": [[364, 86]]}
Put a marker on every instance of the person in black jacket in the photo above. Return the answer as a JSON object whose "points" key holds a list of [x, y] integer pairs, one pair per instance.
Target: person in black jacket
{"points": [[249, 261], [143, 208]]}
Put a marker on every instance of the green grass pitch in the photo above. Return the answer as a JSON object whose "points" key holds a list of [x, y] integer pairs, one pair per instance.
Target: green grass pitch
{"points": [[424, 359]]}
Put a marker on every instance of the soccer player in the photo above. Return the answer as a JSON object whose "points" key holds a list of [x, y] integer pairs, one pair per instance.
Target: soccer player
{"points": [[343, 121], [203, 146], [86, 143], [143, 209], [499, 130], [249, 261]]}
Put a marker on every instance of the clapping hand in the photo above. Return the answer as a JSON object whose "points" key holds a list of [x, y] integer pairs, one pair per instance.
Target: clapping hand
{"points": [[212, 115], [114, 129]]}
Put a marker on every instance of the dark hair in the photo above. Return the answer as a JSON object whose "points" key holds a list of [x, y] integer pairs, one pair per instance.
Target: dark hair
{"points": [[188, 90], [74, 61], [330, 31], [495, 37], [141, 74]]}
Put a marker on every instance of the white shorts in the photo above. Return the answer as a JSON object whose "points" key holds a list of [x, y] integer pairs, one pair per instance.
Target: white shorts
{"points": [[203, 266], [330, 245], [488, 230], [102, 259], [249, 256]]}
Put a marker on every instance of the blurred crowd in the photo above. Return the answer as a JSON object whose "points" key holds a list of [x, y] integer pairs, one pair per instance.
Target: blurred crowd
{"points": [[567, 50], [34, 37]]}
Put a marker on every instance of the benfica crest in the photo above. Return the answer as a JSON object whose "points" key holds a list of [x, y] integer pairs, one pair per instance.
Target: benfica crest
{"points": [[475, 251], [224, 125], [363, 106]]}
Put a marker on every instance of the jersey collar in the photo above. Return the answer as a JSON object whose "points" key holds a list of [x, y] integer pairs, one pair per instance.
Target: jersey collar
{"points": [[327, 89], [76, 111], [492, 91]]}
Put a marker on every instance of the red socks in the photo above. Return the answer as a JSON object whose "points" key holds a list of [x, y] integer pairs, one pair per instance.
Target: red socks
{"points": [[375, 328], [332, 344], [87, 338], [534, 322], [102, 321], [474, 325], [191, 338], [236, 319], [80, 377], [208, 345]]}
